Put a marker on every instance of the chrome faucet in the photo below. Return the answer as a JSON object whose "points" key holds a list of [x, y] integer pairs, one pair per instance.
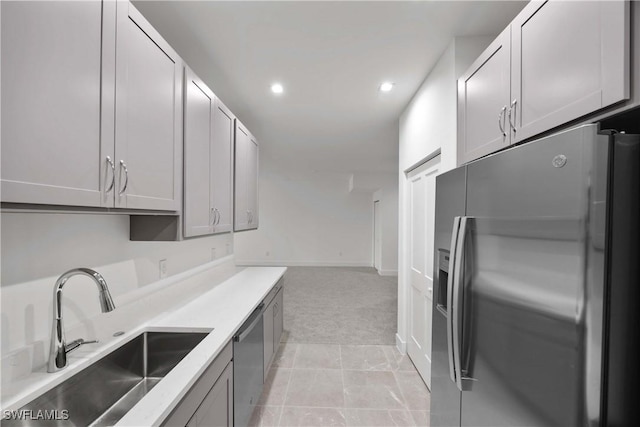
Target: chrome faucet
{"points": [[59, 347]]}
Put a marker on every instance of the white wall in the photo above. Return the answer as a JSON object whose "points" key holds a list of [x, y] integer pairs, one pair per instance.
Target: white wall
{"points": [[39, 247], [428, 126], [388, 209], [307, 218]]}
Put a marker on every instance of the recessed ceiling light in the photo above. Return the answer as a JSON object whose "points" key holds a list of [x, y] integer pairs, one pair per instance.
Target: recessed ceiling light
{"points": [[386, 87], [277, 88]]}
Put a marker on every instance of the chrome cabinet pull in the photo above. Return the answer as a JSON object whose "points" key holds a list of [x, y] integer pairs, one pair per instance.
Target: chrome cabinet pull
{"points": [[212, 216], [248, 217], [217, 216], [502, 120], [123, 165], [113, 175], [512, 113]]}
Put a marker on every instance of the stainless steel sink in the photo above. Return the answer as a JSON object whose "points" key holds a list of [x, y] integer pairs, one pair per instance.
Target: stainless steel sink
{"points": [[106, 390]]}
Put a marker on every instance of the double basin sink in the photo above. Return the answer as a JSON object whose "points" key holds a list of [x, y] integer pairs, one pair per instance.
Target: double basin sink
{"points": [[105, 391]]}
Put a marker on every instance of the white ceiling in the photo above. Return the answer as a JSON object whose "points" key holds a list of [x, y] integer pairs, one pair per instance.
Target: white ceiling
{"points": [[331, 57]]}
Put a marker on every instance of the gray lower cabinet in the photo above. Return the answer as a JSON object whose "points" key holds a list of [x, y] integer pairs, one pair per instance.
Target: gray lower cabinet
{"points": [[278, 322], [246, 180], [558, 61], [273, 324], [210, 401], [269, 345], [217, 407], [53, 54]]}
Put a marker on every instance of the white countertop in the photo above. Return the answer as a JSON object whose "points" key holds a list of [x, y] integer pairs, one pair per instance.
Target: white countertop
{"points": [[221, 310]]}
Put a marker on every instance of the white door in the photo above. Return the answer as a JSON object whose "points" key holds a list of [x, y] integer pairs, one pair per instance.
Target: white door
{"points": [[377, 241], [421, 184]]}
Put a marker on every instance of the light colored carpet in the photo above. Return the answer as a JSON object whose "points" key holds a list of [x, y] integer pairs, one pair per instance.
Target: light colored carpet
{"points": [[340, 305]]}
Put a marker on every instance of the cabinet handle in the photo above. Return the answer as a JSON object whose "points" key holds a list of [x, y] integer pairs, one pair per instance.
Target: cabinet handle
{"points": [[113, 175], [512, 113], [502, 119], [248, 217], [212, 216], [123, 165], [216, 213]]}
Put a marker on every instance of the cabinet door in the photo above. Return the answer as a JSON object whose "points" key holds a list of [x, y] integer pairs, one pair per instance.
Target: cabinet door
{"points": [[483, 102], [241, 207], [252, 182], [53, 54], [267, 325], [568, 59], [216, 409], [222, 167], [198, 108], [278, 319], [148, 94]]}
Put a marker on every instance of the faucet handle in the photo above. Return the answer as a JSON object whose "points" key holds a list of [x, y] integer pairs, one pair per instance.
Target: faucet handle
{"points": [[77, 343]]}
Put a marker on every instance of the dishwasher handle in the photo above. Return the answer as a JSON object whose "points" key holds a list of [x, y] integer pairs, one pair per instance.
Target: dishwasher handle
{"points": [[249, 324]]}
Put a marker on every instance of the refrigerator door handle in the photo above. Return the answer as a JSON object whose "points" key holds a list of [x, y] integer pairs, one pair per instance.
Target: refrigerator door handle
{"points": [[450, 292], [457, 307]]}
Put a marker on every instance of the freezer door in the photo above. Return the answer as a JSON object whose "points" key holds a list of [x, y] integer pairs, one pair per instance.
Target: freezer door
{"points": [[530, 299], [450, 202]]}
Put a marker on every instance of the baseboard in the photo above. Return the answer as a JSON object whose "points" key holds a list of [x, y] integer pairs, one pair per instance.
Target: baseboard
{"points": [[401, 345], [286, 263], [388, 272]]}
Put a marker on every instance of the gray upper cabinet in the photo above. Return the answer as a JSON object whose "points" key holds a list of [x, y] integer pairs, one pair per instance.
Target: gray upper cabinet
{"points": [[198, 109], [483, 102], [148, 108], [558, 61], [246, 179], [57, 130], [222, 168], [208, 158], [568, 59], [89, 119]]}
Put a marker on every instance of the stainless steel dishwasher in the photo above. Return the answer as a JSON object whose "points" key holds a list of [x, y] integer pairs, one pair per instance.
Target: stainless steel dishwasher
{"points": [[248, 367]]}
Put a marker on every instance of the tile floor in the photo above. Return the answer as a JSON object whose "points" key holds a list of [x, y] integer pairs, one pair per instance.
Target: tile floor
{"points": [[342, 385]]}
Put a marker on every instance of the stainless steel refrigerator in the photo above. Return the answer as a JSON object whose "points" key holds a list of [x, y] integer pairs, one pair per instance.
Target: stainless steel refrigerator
{"points": [[537, 285]]}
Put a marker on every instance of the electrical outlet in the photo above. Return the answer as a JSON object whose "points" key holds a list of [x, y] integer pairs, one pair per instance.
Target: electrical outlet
{"points": [[213, 254], [267, 253], [163, 268]]}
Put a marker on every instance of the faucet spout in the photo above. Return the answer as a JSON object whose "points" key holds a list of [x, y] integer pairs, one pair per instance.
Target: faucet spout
{"points": [[59, 348]]}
